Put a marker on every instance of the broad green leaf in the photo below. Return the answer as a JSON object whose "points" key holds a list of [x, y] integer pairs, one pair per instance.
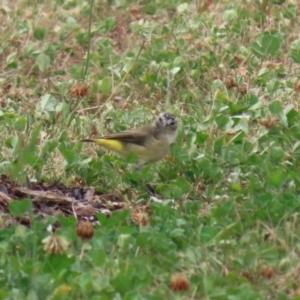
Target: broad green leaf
{"points": [[70, 156], [175, 70], [230, 15], [277, 153], [105, 85], [48, 147], [63, 108], [295, 51], [11, 142], [275, 107], [290, 11], [11, 61], [178, 61], [218, 144], [238, 137], [131, 158], [264, 75], [63, 136], [243, 125], [109, 23], [270, 44], [236, 186], [39, 33], [57, 265], [222, 120], [273, 85], [178, 232], [124, 241], [201, 137], [43, 62], [122, 283], [236, 108], [257, 49], [20, 123], [292, 115], [182, 8], [48, 103], [98, 256], [19, 207], [179, 153], [276, 179], [66, 222], [183, 184], [71, 23]]}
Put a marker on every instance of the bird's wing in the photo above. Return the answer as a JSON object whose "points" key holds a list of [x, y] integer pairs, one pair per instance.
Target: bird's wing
{"points": [[137, 136]]}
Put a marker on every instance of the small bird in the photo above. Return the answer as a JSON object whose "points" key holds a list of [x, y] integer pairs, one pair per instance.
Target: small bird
{"points": [[151, 142]]}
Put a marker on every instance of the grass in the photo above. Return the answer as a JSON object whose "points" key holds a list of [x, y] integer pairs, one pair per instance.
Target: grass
{"points": [[227, 218]]}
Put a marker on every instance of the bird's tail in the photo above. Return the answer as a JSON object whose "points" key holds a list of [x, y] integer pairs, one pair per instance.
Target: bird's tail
{"points": [[109, 144], [87, 140]]}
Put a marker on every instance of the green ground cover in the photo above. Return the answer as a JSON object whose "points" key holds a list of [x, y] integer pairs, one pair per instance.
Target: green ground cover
{"points": [[226, 215]]}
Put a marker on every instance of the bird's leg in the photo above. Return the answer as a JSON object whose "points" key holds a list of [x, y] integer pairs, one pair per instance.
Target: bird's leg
{"points": [[149, 188]]}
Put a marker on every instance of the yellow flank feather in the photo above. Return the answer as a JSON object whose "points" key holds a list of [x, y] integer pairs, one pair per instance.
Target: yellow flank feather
{"points": [[112, 145]]}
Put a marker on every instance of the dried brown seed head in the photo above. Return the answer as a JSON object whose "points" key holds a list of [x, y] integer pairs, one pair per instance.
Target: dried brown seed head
{"points": [[179, 282], [85, 230], [55, 244], [140, 216], [79, 89]]}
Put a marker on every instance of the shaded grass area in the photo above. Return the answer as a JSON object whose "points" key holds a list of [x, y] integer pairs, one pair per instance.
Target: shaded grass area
{"points": [[227, 212]]}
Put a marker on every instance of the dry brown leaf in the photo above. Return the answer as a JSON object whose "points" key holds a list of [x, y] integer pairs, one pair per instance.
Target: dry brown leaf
{"points": [[46, 196], [4, 198], [84, 210]]}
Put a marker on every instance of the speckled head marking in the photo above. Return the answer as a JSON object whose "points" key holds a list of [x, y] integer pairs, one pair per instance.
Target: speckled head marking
{"points": [[166, 119]]}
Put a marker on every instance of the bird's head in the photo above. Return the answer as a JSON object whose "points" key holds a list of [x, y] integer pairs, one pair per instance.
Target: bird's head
{"points": [[167, 120]]}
